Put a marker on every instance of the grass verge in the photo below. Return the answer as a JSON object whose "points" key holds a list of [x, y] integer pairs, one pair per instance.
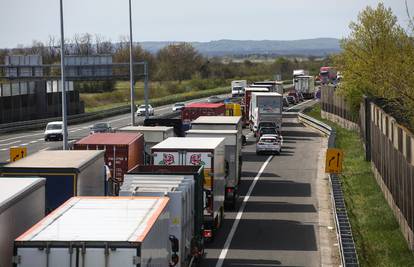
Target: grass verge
{"points": [[165, 100], [377, 235]]}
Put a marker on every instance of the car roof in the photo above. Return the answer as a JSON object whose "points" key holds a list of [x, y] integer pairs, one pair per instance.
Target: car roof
{"points": [[55, 122]]}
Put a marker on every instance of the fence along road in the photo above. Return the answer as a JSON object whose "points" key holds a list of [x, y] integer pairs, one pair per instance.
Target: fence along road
{"points": [[278, 223]]}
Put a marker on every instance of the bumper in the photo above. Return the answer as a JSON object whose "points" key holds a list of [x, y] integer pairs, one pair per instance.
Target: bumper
{"points": [[53, 137]]}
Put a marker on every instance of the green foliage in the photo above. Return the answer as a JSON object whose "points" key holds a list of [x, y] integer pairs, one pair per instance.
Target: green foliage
{"points": [[95, 86], [377, 235], [377, 61]]}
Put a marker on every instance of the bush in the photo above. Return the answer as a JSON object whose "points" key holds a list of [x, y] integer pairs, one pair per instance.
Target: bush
{"points": [[95, 86]]}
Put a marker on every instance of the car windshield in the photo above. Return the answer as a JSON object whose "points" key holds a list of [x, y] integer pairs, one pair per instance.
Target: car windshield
{"points": [[268, 131], [179, 105], [54, 127], [266, 124], [101, 125], [143, 106]]}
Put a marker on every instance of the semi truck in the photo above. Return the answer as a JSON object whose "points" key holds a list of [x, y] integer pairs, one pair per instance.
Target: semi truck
{"points": [[68, 173], [100, 231], [233, 160], [266, 107], [207, 152], [274, 86], [195, 110], [237, 88], [246, 101], [327, 75], [306, 86]]}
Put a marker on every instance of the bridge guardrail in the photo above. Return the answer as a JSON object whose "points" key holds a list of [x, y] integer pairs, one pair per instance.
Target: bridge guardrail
{"points": [[349, 256]]}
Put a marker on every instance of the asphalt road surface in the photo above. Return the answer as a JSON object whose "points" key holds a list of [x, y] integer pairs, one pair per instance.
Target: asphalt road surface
{"points": [[277, 225]]}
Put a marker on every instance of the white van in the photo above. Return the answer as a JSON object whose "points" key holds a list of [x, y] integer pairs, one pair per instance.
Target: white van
{"points": [[54, 131]]}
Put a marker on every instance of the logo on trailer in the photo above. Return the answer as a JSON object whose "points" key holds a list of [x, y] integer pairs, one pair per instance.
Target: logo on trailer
{"points": [[195, 159], [167, 159]]}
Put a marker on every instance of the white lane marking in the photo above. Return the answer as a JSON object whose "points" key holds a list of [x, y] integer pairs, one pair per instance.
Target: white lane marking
{"points": [[3, 149], [32, 142], [25, 144], [11, 143], [21, 136], [75, 130], [40, 139], [236, 222], [46, 148]]}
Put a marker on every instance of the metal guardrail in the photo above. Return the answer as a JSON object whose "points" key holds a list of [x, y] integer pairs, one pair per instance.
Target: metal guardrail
{"points": [[349, 256]]}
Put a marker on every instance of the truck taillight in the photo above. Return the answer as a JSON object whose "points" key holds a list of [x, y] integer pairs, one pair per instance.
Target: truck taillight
{"points": [[208, 233], [229, 189]]}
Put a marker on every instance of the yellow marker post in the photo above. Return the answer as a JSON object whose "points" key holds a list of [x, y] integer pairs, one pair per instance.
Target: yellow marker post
{"points": [[17, 153], [334, 158]]}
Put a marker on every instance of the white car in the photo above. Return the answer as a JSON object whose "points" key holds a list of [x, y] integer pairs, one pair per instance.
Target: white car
{"points": [[141, 110], [178, 106], [54, 131], [269, 143]]}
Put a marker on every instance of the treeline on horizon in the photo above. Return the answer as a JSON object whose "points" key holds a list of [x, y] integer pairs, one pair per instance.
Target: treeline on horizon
{"points": [[174, 62]]}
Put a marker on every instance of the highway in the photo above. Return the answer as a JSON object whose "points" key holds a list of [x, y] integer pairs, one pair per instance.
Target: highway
{"points": [[279, 220]]}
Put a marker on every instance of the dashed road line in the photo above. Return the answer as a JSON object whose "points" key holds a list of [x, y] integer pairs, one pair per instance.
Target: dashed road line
{"points": [[11, 143], [236, 222]]}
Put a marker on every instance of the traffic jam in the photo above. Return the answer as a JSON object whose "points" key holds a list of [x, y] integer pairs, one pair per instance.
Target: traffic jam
{"points": [[149, 195]]}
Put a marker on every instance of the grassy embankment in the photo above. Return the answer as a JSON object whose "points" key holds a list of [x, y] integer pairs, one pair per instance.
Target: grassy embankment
{"points": [[161, 93], [376, 232]]}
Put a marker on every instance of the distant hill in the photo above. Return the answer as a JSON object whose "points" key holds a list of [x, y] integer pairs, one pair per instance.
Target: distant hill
{"points": [[306, 47]]}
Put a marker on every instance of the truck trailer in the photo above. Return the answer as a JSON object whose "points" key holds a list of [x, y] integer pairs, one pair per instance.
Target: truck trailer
{"points": [[100, 231], [247, 99], [274, 86], [195, 110], [22, 204], [266, 107], [207, 152], [233, 160], [68, 173], [197, 174], [180, 191], [306, 86]]}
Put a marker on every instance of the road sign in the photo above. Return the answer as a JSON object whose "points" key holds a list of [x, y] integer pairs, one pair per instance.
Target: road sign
{"points": [[17, 153], [334, 158]]}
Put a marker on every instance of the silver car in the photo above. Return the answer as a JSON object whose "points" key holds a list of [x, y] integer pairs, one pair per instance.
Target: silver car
{"points": [[270, 144]]}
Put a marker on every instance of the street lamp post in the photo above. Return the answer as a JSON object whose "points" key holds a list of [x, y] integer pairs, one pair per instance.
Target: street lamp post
{"points": [[63, 89], [131, 70]]}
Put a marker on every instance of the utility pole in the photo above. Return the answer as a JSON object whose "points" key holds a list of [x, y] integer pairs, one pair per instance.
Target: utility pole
{"points": [[62, 71], [146, 89], [131, 70]]}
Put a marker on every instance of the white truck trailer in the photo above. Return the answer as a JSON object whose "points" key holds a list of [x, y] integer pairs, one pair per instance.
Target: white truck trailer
{"points": [[306, 86], [180, 190], [152, 135], [237, 88], [99, 231], [207, 152], [219, 123], [233, 160], [266, 107], [22, 204]]}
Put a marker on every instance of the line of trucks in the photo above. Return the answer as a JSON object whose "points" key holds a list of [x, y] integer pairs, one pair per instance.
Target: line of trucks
{"points": [[148, 195]]}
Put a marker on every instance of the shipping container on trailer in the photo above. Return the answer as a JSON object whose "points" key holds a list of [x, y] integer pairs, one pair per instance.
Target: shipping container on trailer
{"points": [[195, 110], [123, 151], [306, 86], [208, 152], [67, 173], [181, 206], [246, 101], [99, 231], [197, 174], [22, 204], [233, 159], [152, 135]]}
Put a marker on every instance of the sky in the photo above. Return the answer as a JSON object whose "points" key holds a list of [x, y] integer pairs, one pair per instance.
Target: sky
{"points": [[22, 21]]}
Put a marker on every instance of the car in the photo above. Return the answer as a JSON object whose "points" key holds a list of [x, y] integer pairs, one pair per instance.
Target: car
{"points": [[141, 110], [101, 127], [213, 99], [54, 131], [291, 99], [270, 144], [178, 106]]}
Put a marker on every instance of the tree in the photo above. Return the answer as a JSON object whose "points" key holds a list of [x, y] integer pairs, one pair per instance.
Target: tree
{"points": [[377, 61], [178, 62]]}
